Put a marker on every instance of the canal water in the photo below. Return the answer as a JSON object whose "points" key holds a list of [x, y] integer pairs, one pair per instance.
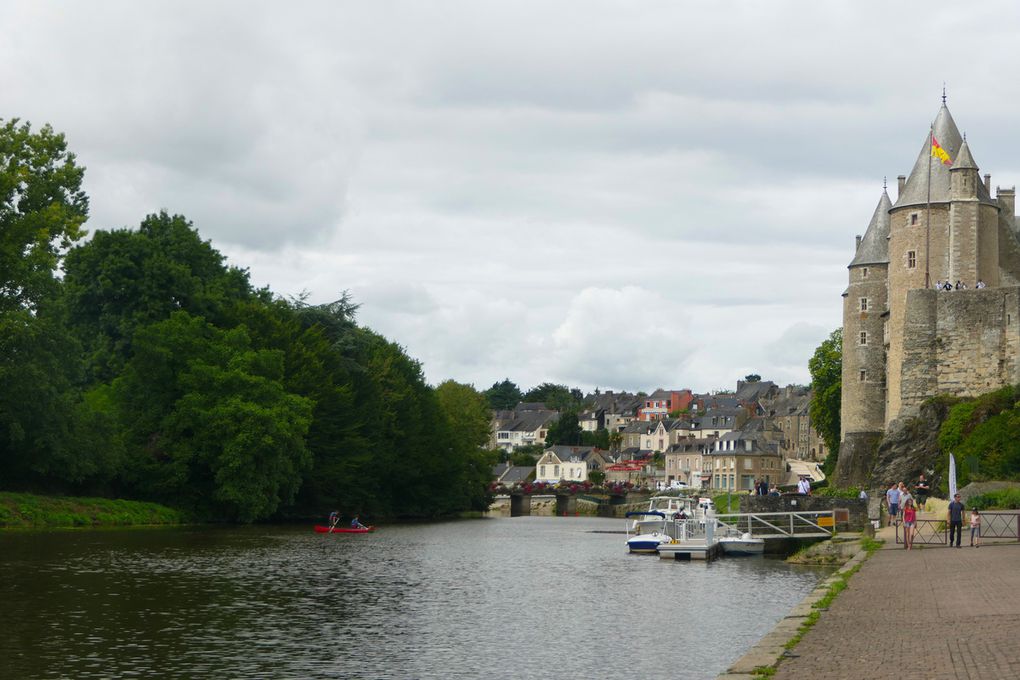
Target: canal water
{"points": [[528, 597]]}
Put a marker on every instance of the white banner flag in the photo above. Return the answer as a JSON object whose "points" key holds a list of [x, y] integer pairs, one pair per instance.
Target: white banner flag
{"points": [[952, 476]]}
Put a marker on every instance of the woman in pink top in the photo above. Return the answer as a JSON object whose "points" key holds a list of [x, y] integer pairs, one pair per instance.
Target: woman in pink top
{"points": [[909, 520], [975, 528]]}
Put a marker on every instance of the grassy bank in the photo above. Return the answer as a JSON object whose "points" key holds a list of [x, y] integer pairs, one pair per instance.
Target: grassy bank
{"points": [[26, 511]]}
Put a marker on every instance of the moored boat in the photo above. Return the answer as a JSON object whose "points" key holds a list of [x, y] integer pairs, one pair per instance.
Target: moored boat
{"points": [[320, 529], [653, 523], [745, 544]]}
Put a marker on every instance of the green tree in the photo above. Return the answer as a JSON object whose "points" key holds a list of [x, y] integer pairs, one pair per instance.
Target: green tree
{"points": [[504, 395], [42, 209], [615, 439], [555, 397], [752, 378], [210, 425], [467, 411], [826, 366], [527, 455], [599, 438], [122, 280], [564, 430]]}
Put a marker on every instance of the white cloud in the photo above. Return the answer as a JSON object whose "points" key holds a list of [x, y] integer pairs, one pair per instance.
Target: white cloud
{"points": [[596, 193]]}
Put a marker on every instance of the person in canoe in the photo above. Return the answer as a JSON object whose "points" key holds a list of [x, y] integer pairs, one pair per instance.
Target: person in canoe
{"points": [[334, 518], [356, 524]]}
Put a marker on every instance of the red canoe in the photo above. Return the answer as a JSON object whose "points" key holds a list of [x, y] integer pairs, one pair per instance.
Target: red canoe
{"points": [[342, 530]]}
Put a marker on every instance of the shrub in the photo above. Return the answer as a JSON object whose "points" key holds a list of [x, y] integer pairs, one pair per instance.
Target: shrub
{"points": [[1000, 499]]}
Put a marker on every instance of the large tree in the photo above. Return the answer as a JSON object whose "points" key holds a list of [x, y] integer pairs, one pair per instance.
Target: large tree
{"points": [[504, 395], [556, 397], [209, 422], [42, 209], [125, 279], [467, 411], [826, 366], [564, 430]]}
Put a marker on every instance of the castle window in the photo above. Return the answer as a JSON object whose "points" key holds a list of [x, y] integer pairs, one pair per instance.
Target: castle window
{"points": [[864, 304], [911, 259], [864, 273], [864, 337], [913, 218], [864, 376]]}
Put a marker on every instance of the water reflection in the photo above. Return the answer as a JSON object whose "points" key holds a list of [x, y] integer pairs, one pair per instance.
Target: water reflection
{"points": [[521, 597]]}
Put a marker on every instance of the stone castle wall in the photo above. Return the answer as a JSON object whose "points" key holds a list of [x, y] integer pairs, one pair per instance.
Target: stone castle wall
{"points": [[963, 343], [907, 234], [863, 401]]}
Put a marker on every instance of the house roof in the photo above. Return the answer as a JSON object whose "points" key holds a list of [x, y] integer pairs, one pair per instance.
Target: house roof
{"points": [[529, 421], [752, 391], [518, 473]]}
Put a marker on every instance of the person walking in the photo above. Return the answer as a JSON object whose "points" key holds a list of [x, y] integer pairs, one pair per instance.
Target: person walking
{"points": [[954, 515], [892, 499], [921, 491], [909, 520], [904, 496], [975, 528]]}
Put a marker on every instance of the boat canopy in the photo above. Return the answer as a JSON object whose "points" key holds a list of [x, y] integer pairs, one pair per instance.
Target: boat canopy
{"points": [[655, 513]]}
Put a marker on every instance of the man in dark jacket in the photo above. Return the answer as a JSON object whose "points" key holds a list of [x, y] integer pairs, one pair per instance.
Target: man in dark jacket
{"points": [[954, 515]]}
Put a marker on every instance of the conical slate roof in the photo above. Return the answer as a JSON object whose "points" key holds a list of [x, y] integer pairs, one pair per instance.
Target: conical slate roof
{"points": [[915, 192], [874, 248], [964, 160]]}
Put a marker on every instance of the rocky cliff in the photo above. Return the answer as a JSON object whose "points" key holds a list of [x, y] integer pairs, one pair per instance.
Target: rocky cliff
{"points": [[909, 447]]}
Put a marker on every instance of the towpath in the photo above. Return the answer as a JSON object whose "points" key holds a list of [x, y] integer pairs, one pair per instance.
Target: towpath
{"points": [[932, 613]]}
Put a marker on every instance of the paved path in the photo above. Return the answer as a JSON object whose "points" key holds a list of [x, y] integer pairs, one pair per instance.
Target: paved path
{"points": [[932, 613]]}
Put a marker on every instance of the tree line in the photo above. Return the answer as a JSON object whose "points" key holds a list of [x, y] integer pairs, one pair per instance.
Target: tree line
{"points": [[139, 364]]}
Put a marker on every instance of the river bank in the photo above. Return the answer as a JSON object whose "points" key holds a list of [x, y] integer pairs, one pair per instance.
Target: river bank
{"points": [[31, 511]]}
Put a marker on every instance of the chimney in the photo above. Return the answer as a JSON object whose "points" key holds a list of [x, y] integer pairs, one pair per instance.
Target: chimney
{"points": [[858, 241], [901, 182], [988, 183], [1007, 200]]}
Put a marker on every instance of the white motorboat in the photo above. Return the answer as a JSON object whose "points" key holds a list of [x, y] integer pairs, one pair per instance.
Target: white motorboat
{"points": [[671, 507], [745, 544], [653, 523]]}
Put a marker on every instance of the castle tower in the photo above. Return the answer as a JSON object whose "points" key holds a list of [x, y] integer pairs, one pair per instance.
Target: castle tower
{"points": [[944, 226], [935, 234], [864, 305]]}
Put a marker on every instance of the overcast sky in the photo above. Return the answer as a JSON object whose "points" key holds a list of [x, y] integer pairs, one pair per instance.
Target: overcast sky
{"points": [[622, 195]]}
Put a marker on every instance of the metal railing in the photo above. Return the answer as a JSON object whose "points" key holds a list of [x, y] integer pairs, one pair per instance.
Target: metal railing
{"points": [[806, 524], [926, 532], [936, 531], [686, 529]]}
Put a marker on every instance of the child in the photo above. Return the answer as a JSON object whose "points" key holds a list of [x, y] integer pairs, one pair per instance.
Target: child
{"points": [[975, 528], [909, 518]]}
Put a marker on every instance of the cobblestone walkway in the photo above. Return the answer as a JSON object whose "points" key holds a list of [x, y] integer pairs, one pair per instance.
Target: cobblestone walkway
{"points": [[931, 613]]}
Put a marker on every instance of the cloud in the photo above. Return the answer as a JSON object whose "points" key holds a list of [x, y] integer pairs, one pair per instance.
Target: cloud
{"points": [[595, 193]]}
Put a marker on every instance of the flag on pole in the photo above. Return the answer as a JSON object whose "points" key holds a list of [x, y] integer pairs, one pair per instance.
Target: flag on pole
{"points": [[952, 476], [938, 152]]}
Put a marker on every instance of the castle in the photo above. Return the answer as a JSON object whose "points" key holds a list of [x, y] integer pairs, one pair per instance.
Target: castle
{"points": [[903, 340]]}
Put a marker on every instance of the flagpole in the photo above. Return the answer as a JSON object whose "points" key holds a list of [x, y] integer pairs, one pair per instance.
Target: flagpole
{"points": [[927, 217]]}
